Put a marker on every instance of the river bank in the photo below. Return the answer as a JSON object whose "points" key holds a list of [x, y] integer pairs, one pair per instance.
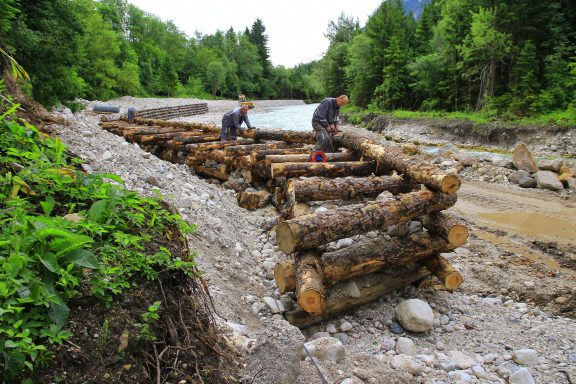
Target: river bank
{"points": [[519, 292]]}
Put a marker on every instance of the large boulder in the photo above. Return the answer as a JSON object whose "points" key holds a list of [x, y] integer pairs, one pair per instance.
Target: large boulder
{"points": [[523, 159], [548, 180], [415, 315], [551, 165]]}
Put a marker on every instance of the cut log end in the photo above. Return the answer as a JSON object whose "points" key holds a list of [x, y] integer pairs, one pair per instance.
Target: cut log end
{"points": [[285, 238], [458, 235], [285, 275], [450, 184], [453, 281], [311, 301]]}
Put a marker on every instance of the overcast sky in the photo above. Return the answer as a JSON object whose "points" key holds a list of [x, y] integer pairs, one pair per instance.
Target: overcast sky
{"points": [[295, 28]]}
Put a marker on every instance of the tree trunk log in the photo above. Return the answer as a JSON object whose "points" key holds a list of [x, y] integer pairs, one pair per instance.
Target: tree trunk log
{"points": [[316, 229], [444, 271], [338, 169], [160, 137], [181, 140], [193, 148], [394, 158], [177, 124], [371, 287], [309, 286], [258, 156], [446, 226], [216, 155], [243, 150], [219, 172], [285, 274], [371, 255], [253, 200], [305, 157], [281, 135], [348, 188]]}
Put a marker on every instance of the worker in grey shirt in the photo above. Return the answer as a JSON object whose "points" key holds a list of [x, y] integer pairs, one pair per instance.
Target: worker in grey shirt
{"points": [[325, 121], [232, 121]]}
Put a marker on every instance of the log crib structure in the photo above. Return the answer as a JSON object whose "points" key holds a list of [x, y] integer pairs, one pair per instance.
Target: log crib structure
{"points": [[275, 163]]}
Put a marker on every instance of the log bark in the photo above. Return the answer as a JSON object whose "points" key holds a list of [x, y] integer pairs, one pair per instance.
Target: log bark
{"points": [[444, 271], [200, 147], [281, 135], [215, 155], [154, 138], [220, 172], [313, 230], [305, 157], [253, 200], [309, 287], [371, 287], [258, 156], [177, 124], [243, 150], [446, 226], [348, 188], [394, 158], [370, 255], [182, 140], [337, 169]]}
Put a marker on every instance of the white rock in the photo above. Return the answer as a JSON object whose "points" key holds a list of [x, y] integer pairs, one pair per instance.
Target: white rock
{"points": [[407, 364], [325, 348], [107, 155], [406, 346], [521, 376], [462, 360], [346, 326], [525, 356], [415, 315]]}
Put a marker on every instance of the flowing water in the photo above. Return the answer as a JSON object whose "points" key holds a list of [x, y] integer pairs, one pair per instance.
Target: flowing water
{"points": [[292, 117]]}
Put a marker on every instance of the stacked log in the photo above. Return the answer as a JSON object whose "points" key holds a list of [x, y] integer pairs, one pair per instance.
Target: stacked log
{"points": [[378, 187]]}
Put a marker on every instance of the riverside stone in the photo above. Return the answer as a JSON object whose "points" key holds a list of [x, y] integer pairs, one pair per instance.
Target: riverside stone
{"points": [[548, 180], [521, 376], [325, 348], [525, 356], [415, 315], [523, 159]]}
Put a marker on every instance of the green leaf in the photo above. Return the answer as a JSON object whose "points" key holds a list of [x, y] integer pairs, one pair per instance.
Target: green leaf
{"points": [[48, 205], [83, 258], [96, 210], [112, 176], [50, 262], [10, 344], [58, 312]]}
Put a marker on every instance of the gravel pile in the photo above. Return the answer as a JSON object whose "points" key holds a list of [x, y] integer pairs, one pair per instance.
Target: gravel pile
{"points": [[480, 334]]}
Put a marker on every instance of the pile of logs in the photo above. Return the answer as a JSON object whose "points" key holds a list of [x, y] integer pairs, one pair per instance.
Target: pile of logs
{"points": [[166, 113], [376, 187]]}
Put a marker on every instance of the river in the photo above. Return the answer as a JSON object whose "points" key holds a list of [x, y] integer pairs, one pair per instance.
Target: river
{"points": [[291, 117]]}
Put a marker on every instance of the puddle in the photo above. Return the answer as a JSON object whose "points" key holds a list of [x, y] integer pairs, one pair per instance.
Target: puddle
{"points": [[535, 225]]}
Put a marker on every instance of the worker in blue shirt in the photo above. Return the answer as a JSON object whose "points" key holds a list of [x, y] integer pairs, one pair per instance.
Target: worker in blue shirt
{"points": [[232, 121], [325, 121]]}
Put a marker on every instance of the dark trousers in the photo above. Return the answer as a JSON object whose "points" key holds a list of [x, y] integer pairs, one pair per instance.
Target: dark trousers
{"points": [[230, 129], [323, 140]]}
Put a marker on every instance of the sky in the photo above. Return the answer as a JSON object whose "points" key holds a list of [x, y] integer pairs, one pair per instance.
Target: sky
{"points": [[295, 28]]}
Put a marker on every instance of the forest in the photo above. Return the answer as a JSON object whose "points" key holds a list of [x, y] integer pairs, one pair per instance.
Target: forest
{"points": [[510, 59]]}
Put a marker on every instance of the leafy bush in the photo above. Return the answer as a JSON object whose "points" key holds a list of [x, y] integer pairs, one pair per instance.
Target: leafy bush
{"points": [[66, 234]]}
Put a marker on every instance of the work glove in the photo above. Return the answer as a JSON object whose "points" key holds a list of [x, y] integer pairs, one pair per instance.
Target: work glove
{"points": [[333, 129]]}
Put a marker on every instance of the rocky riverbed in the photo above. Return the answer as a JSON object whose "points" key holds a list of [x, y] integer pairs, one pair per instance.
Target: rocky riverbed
{"points": [[512, 321]]}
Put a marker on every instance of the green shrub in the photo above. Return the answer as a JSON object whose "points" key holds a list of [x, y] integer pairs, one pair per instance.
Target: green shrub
{"points": [[64, 234]]}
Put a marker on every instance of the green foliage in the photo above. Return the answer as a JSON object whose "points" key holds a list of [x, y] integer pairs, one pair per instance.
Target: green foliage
{"points": [[149, 318], [63, 234]]}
